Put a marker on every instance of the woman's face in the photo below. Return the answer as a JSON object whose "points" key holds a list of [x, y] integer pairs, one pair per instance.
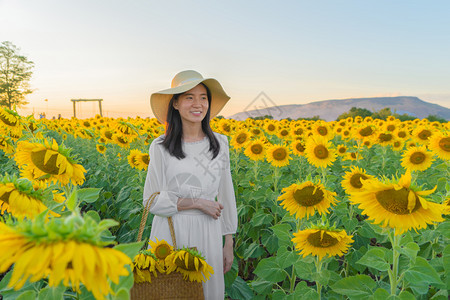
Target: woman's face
{"points": [[193, 104]]}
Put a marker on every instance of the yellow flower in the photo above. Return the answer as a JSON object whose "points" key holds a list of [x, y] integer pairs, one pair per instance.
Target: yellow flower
{"points": [[319, 152], [306, 198], [6, 144], [398, 145], [322, 242], [255, 150], [396, 205], [122, 140], [132, 158], [440, 145], [71, 262], [417, 159], [270, 126], [278, 155], [421, 134], [240, 139], [189, 263], [49, 160], [161, 249], [298, 147], [100, 148], [341, 150], [364, 131], [352, 180], [323, 130], [144, 265], [10, 120]]}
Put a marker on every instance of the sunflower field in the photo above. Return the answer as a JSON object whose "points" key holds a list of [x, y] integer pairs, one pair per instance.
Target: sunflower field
{"points": [[350, 209]]}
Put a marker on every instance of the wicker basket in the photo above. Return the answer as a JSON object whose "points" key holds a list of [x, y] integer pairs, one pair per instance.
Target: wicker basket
{"points": [[165, 286]]}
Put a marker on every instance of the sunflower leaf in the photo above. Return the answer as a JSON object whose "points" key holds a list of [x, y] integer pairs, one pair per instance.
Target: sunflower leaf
{"points": [[269, 269], [89, 195], [375, 258], [421, 271], [356, 286]]}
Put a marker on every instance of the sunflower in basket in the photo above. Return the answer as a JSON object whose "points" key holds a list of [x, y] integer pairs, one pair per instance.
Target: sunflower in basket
{"points": [[161, 249], [144, 265], [190, 263]]}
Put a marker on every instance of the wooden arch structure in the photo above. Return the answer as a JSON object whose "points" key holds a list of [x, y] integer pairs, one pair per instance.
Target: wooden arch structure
{"points": [[86, 100]]}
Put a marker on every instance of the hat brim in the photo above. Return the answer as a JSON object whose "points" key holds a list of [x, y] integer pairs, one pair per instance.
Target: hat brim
{"points": [[159, 101]]}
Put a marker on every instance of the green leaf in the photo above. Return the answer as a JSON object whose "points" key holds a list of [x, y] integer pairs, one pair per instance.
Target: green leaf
{"points": [[410, 250], [358, 286], [255, 250], [89, 195], [380, 294], [304, 268], [131, 250], [240, 290], [446, 260], [122, 294], [262, 287], [422, 272], [72, 201], [282, 231], [375, 258], [302, 291], [269, 269], [94, 215], [27, 295], [286, 258], [444, 229], [52, 293]]}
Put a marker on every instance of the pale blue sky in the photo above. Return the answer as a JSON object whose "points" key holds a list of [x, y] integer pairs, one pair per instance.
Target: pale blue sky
{"points": [[295, 51]]}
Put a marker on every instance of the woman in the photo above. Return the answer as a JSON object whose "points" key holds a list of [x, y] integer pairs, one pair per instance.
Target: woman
{"points": [[190, 167]]}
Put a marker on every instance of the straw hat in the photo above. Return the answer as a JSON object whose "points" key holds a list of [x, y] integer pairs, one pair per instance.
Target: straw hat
{"points": [[183, 82]]}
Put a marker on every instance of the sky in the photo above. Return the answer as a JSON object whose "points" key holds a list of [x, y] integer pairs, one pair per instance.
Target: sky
{"points": [[296, 52]]}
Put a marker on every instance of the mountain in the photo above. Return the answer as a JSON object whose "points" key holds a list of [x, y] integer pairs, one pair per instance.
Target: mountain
{"points": [[329, 110]]}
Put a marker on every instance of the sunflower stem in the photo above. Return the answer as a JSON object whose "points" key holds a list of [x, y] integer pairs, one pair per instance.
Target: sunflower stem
{"points": [[293, 278], [393, 275], [318, 264]]}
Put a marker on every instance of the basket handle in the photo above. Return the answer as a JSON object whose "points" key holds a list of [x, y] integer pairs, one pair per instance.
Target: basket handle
{"points": [[144, 220]]}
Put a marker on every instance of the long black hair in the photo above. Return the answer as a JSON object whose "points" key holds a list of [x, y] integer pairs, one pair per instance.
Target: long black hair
{"points": [[174, 130]]}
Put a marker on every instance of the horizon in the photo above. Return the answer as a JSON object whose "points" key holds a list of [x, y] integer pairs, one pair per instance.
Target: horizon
{"points": [[296, 53]]}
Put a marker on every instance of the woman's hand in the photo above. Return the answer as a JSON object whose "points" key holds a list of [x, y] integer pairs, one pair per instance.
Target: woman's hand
{"points": [[228, 255], [211, 208]]}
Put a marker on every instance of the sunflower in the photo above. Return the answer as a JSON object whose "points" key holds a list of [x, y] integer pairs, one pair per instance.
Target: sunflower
{"points": [[422, 134], [323, 130], [49, 160], [385, 138], [306, 198], [60, 250], [107, 134], [440, 145], [352, 180], [132, 157], [341, 150], [126, 129], [447, 206], [121, 140], [6, 144], [240, 139], [144, 265], [270, 126], [161, 249], [319, 152], [417, 159], [322, 242], [397, 205], [398, 145], [364, 131], [298, 147], [255, 150], [10, 120], [278, 155], [190, 263], [224, 126], [353, 156], [283, 132], [142, 160]]}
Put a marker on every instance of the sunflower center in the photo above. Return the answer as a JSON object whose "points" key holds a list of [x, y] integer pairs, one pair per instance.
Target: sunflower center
{"points": [[385, 137], [322, 130], [396, 201], [402, 134], [241, 138], [391, 127], [326, 241], [256, 149], [355, 180], [353, 155], [366, 131], [271, 127], [284, 132], [10, 122], [308, 197], [298, 131], [146, 159], [121, 140], [342, 150], [444, 144], [182, 263], [226, 128], [108, 134], [321, 151], [279, 154], [300, 147], [424, 134], [397, 144], [50, 167], [162, 251], [417, 158], [256, 131]]}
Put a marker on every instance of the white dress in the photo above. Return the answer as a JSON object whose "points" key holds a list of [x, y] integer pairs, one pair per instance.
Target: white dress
{"points": [[195, 176]]}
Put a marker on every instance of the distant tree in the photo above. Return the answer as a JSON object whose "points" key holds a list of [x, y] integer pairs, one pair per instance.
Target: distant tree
{"points": [[15, 74], [263, 117], [315, 118], [382, 113], [404, 117], [435, 118], [354, 112]]}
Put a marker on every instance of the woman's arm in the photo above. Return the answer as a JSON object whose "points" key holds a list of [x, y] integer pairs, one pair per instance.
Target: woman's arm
{"points": [[210, 208], [228, 255]]}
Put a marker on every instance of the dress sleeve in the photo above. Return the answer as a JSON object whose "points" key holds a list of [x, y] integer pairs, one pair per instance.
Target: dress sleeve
{"points": [[226, 194], [165, 204]]}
